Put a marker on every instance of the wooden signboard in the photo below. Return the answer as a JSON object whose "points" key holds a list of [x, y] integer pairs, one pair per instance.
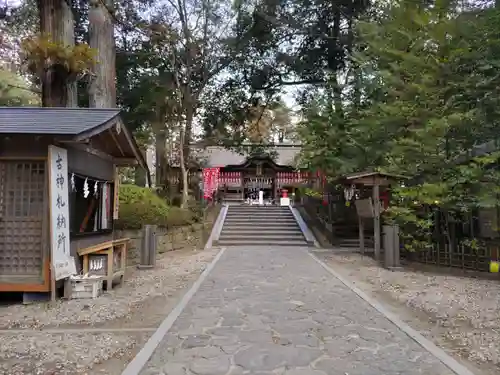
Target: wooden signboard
{"points": [[63, 264], [364, 208]]}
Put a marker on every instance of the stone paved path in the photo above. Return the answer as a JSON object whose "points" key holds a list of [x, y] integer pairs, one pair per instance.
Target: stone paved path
{"points": [[277, 311]]}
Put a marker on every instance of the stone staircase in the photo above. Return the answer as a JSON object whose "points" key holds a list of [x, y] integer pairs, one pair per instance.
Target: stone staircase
{"points": [[348, 236], [256, 225]]}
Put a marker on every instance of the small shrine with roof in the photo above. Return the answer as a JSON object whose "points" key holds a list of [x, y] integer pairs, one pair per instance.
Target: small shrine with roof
{"points": [[59, 195], [261, 176]]}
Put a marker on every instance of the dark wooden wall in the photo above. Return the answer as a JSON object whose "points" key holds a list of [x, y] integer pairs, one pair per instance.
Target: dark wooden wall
{"points": [[79, 161]]}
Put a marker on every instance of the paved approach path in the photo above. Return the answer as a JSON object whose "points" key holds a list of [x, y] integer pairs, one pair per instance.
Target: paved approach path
{"points": [[277, 311]]}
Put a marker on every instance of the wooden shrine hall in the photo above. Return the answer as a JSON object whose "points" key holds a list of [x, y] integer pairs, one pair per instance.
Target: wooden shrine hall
{"points": [[231, 177]]}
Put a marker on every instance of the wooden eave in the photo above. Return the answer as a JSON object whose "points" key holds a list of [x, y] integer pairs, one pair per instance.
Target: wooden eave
{"points": [[114, 139], [370, 178], [263, 158]]}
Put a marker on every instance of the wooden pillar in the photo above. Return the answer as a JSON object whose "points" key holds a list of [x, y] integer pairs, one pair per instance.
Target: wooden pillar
{"points": [[242, 186], [275, 188], [361, 235], [376, 220]]}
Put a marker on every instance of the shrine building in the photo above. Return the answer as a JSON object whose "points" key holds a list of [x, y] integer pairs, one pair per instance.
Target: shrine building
{"points": [[59, 194], [237, 177]]}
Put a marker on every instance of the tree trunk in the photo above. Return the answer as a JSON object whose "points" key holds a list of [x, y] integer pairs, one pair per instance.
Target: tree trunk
{"points": [[161, 160], [139, 176], [56, 20], [188, 130], [102, 90], [169, 172], [184, 170], [337, 96]]}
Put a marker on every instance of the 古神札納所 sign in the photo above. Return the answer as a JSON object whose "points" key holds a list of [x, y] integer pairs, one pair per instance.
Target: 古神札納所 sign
{"points": [[63, 264]]}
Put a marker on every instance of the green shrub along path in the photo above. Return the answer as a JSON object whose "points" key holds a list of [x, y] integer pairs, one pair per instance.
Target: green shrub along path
{"points": [[140, 206]]}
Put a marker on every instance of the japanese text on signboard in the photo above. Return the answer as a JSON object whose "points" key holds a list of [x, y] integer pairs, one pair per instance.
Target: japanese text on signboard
{"points": [[62, 261]]}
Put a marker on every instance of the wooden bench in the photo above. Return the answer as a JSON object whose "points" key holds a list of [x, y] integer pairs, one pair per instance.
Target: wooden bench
{"points": [[113, 255]]}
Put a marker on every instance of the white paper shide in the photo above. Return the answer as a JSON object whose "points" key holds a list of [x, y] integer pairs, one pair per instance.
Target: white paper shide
{"points": [[63, 263]]}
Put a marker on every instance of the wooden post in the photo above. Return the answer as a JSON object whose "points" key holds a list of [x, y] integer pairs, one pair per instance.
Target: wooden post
{"points": [[53, 291], [242, 187], [53, 294], [388, 246], [376, 220], [148, 247], [396, 255], [109, 278], [361, 235]]}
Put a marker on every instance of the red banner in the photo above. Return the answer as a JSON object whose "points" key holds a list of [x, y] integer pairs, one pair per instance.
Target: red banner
{"points": [[210, 181]]}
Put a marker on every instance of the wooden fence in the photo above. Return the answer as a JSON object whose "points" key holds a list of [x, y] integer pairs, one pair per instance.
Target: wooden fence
{"points": [[459, 256], [338, 222]]}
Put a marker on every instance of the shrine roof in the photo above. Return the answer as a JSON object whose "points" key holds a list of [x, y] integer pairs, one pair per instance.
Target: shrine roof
{"points": [[217, 156], [75, 125], [370, 178], [356, 175], [45, 120]]}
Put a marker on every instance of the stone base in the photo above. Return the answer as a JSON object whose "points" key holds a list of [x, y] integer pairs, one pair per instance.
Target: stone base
{"points": [[394, 269], [144, 267], [32, 297]]}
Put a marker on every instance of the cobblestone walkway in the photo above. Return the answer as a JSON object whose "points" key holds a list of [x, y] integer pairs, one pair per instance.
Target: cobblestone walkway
{"points": [[277, 311]]}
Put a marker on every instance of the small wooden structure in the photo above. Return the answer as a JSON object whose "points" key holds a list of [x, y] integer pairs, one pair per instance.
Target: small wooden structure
{"points": [[371, 207], [108, 259], [59, 192]]}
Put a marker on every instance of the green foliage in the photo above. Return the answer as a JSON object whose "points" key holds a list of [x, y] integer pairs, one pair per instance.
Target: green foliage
{"points": [[42, 52], [14, 91], [310, 193], [140, 206], [423, 89]]}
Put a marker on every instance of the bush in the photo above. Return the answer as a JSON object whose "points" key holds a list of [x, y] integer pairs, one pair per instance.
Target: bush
{"points": [[139, 206]]}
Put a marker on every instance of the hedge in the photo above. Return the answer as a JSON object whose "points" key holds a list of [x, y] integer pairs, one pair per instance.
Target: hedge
{"points": [[139, 206]]}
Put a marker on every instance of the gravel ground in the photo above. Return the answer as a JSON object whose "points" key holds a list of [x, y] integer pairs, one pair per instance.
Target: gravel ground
{"points": [[460, 313], [76, 353], [143, 301]]}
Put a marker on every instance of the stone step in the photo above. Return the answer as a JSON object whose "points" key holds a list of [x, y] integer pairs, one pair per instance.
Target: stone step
{"points": [[262, 236], [263, 207], [353, 240], [355, 243], [258, 230], [259, 225], [260, 216], [245, 216], [283, 230], [261, 211], [260, 242], [258, 211]]}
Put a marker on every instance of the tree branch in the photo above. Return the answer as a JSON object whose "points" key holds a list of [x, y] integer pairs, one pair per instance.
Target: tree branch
{"points": [[36, 91]]}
